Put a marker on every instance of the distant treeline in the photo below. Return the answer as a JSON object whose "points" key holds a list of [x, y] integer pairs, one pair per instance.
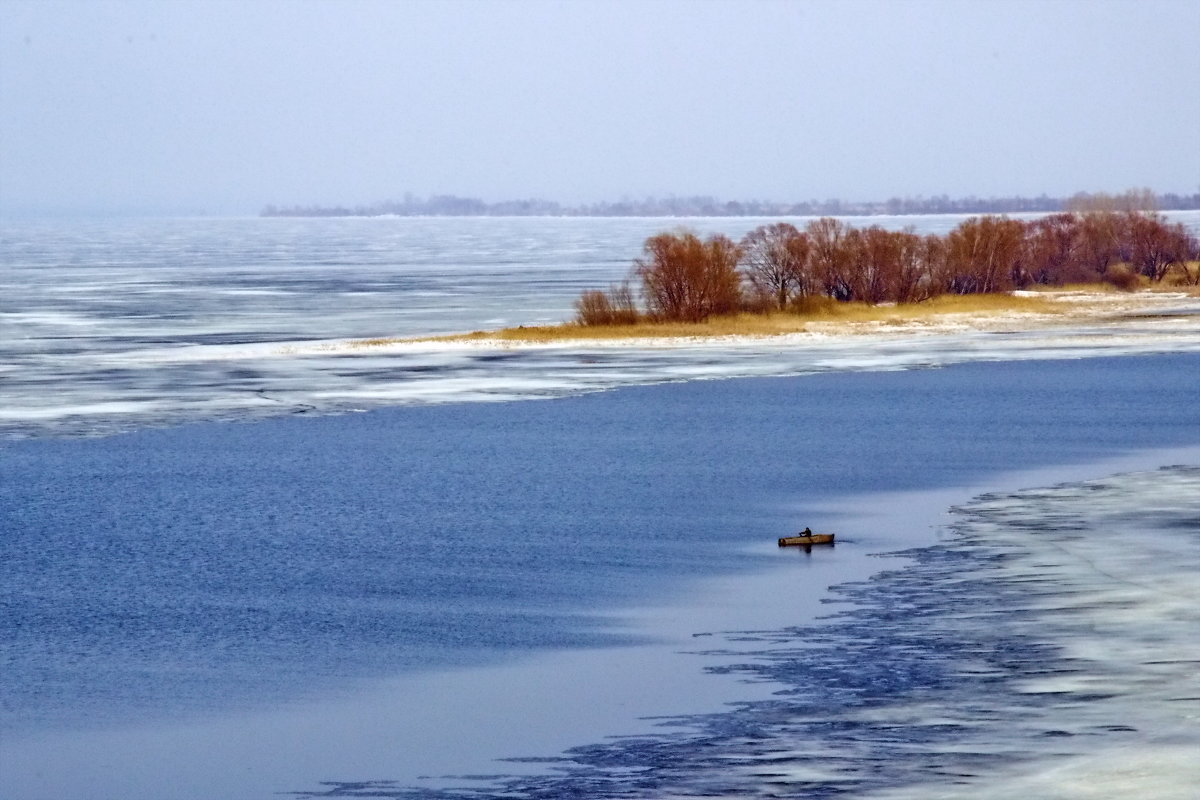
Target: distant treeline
{"points": [[453, 206], [780, 267]]}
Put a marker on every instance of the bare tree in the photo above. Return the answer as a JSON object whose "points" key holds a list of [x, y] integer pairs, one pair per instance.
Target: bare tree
{"points": [[866, 259], [1053, 250], [911, 276], [985, 254], [1099, 241], [935, 263], [1143, 199], [830, 257], [1154, 246], [1187, 255], [775, 262], [886, 266], [688, 280]]}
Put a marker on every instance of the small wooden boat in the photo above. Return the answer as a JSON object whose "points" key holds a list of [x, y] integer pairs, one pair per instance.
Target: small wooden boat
{"points": [[806, 541]]}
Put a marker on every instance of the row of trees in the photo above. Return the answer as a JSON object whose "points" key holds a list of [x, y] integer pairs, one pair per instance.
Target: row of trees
{"points": [[779, 266], [704, 206]]}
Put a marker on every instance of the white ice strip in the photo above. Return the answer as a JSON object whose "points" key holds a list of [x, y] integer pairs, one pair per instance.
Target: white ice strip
{"points": [[1109, 569], [53, 393]]}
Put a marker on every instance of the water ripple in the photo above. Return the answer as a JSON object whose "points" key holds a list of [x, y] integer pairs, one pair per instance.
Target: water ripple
{"points": [[1024, 657]]}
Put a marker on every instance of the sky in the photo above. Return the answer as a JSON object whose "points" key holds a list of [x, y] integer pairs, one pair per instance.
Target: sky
{"points": [[205, 106]]}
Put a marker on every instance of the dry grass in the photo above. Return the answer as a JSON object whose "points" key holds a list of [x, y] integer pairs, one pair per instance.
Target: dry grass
{"points": [[774, 324], [985, 311], [1185, 278]]}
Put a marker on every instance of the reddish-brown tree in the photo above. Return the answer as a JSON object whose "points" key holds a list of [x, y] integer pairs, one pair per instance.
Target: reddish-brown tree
{"points": [[1099, 241], [1154, 246], [911, 279], [830, 256], [872, 260], [684, 278], [984, 254], [1052, 251], [1187, 256], [934, 262], [886, 266], [688, 280]]}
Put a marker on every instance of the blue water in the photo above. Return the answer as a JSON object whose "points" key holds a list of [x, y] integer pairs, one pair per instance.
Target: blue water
{"points": [[1031, 653], [211, 566]]}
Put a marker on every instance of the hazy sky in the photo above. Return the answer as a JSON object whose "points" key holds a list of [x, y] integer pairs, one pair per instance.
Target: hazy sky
{"points": [[184, 106]]}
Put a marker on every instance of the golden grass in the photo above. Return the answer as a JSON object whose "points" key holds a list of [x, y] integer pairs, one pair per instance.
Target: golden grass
{"points": [[773, 324], [1182, 276], [821, 314]]}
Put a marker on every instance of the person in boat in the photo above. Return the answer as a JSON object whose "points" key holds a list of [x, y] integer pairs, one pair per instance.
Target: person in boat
{"points": [[806, 532]]}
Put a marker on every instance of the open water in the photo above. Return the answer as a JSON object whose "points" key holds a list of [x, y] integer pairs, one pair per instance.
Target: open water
{"points": [[357, 604]]}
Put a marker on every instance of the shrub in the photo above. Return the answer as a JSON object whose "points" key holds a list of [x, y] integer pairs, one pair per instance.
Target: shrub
{"points": [[614, 307], [813, 305], [593, 308], [1122, 277]]}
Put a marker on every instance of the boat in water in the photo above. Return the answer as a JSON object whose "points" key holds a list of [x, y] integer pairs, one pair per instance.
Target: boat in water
{"points": [[806, 539]]}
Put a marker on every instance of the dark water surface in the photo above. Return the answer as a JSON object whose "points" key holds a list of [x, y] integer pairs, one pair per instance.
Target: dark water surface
{"points": [[1029, 653], [215, 568]]}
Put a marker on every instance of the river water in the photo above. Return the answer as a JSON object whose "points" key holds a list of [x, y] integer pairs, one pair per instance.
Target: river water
{"points": [[356, 604]]}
